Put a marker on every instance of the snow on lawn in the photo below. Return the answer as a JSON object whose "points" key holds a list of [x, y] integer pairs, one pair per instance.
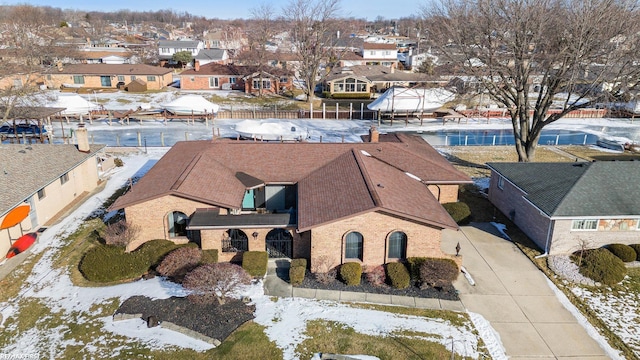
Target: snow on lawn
{"points": [[620, 310], [284, 319]]}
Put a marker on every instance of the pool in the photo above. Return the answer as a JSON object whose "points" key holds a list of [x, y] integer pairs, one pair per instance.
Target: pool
{"points": [[505, 137]]}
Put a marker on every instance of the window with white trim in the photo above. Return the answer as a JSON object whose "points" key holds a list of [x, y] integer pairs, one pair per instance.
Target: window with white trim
{"points": [[214, 82], [500, 182], [584, 224]]}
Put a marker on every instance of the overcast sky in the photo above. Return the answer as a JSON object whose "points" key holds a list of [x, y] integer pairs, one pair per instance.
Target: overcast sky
{"points": [[369, 9]]}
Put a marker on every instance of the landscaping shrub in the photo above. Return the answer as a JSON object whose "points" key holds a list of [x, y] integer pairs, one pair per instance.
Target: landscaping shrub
{"points": [[108, 263], [255, 262], [179, 262], [351, 96], [376, 276], [636, 247], [602, 266], [351, 273], [414, 263], [214, 281], [323, 270], [437, 272], [118, 162], [297, 271], [398, 275], [209, 256], [459, 211], [296, 275], [625, 252], [299, 263]]}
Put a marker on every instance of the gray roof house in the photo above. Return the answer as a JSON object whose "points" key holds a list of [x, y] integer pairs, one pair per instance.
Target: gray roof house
{"points": [[206, 56], [166, 48], [48, 177], [561, 206]]}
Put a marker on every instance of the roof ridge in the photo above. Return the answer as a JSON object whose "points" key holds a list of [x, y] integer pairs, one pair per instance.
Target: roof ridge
{"points": [[573, 186], [187, 170], [366, 177]]}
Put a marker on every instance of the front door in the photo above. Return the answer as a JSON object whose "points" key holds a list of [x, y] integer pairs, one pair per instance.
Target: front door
{"points": [[105, 81], [279, 243]]}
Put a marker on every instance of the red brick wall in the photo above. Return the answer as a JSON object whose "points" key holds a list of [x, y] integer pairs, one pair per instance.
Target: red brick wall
{"points": [[201, 82]]}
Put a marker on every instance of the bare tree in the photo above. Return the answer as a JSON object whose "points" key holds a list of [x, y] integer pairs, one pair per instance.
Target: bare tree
{"points": [[215, 281], [535, 55], [120, 233], [312, 34], [261, 31]]}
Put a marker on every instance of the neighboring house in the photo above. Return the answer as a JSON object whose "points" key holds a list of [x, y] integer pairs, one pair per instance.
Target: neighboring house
{"points": [[166, 48], [104, 56], [107, 75], [217, 76], [206, 56], [371, 203], [561, 206], [360, 79], [384, 54], [47, 177]]}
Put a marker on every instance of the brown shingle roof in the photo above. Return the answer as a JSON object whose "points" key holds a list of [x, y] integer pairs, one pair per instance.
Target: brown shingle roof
{"points": [[232, 70], [317, 203], [378, 46], [111, 69], [331, 174]]}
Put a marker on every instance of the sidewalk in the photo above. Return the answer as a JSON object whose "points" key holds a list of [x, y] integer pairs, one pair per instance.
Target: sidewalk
{"points": [[514, 296], [274, 285]]}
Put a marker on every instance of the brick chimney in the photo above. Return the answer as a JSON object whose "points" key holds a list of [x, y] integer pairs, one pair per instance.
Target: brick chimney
{"points": [[82, 138], [196, 65], [374, 135]]}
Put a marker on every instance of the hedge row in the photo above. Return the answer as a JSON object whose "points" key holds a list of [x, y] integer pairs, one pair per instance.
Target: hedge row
{"points": [[107, 263], [602, 266]]}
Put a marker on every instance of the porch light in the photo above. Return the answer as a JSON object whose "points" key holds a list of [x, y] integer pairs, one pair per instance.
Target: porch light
{"points": [[255, 235]]}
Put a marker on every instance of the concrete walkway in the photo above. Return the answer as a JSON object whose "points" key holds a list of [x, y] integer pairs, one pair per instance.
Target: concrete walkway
{"points": [[514, 296], [275, 284]]}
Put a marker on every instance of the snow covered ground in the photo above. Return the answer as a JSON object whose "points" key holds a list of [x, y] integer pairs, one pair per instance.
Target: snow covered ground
{"points": [[284, 319], [79, 306]]}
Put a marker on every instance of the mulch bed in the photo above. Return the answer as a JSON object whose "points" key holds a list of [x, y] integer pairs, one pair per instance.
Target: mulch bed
{"points": [[445, 293], [212, 320]]}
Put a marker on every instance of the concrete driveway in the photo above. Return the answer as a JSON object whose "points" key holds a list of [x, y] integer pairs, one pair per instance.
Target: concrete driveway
{"points": [[513, 295]]}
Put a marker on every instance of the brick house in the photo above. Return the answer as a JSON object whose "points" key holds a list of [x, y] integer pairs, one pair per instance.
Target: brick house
{"points": [[107, 75], [371, 202], [561, 205], [213, 76]]}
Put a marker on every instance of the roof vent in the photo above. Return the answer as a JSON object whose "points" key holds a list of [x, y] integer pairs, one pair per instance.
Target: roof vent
{"points": [[381, 186], [413, 176], [22, 151], [365, 153], [29, 148]]}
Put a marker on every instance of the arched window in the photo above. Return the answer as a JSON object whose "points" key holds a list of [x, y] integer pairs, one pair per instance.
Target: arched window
{"points": [[353, 245], [236, 241], [177, 222], [397, 245]]}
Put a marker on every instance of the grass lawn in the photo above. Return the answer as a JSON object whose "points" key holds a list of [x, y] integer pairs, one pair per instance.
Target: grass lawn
{"points": [[64, 333]]}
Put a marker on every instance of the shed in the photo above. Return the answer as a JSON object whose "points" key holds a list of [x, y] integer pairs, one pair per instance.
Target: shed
{"points": [[137, 85]]}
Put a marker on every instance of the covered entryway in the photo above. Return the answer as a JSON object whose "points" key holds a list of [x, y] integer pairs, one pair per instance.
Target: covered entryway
{"points": [[279, 243]]}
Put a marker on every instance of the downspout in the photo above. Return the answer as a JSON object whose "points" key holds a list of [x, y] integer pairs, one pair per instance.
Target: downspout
{"points": [[546, 245]]}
